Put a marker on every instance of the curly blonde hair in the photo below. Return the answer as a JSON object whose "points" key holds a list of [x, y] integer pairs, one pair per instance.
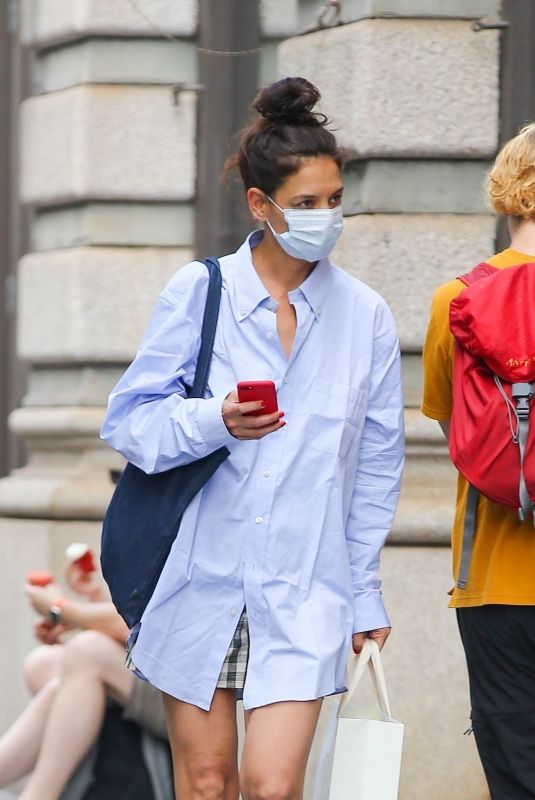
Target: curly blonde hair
{"points": [[511, 181]]}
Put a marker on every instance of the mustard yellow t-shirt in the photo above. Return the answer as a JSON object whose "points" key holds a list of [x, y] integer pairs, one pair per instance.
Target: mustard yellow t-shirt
{"points": [[502, 568]]}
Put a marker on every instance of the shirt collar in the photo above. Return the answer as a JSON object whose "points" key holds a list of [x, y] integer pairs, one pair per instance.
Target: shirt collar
{"points": [[250, 291], [316, 287]]}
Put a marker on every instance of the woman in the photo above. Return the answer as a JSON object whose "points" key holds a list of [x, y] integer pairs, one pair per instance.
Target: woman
{"points": [[71, 681], [496, 609], [290, 528]]}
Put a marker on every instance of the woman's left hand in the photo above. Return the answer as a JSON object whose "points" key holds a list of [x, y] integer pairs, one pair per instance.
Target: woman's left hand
{"points": [[48, 633], [379, 634]]}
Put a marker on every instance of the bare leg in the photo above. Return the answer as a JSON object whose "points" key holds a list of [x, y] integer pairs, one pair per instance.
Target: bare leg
{"points": [[19, 746], [93, 664], [277, 744], [204, 746], [43, 664]]}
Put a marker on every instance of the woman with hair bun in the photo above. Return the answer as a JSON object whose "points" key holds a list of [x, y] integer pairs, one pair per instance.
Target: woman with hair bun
{"points": [[274, 574]]}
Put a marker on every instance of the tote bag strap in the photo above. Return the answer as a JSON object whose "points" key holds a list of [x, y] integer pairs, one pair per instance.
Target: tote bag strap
{"points": [[209, 325], [370, 656]]}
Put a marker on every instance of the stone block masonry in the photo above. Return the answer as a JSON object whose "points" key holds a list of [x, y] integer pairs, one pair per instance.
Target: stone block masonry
{"points": [[398, 88], [94, 302], [406, 256], [108, 143]]}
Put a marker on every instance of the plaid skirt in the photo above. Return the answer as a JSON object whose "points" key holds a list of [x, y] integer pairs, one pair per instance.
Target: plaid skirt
{"points": [[234, 670]]}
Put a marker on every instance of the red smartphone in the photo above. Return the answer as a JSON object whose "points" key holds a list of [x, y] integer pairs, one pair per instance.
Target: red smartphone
{"points": [[39, 577], [258, 390]]}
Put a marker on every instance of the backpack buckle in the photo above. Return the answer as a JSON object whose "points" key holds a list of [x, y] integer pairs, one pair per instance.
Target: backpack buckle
{"points": [[522, 393], [523, 514]]}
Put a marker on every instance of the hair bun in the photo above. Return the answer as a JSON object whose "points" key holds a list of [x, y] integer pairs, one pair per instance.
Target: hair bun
{"points": [[289, 101]]}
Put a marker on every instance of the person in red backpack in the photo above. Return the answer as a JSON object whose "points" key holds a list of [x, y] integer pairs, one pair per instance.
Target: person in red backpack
{"points": [[494, 596]]}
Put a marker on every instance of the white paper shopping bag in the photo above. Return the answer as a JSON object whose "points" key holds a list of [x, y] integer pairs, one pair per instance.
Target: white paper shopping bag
{"points": [[360, 755]]}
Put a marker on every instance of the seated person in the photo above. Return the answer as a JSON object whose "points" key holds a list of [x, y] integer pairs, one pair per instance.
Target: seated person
{"points": [[70, 682]]}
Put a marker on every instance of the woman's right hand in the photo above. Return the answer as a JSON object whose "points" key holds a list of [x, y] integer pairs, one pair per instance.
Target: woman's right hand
{"points": [[243, 427], [85, 583]]}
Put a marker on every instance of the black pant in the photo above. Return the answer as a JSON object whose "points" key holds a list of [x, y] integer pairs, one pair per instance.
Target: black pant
{"points": [[499, 643]]}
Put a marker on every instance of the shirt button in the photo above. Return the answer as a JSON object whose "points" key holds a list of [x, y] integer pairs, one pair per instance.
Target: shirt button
{"points": [[232, 612], [267, 473], [243, 312], [259, 520], [269, 335]]}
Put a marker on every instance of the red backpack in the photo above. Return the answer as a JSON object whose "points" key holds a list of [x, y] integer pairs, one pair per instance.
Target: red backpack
{"points": [[491, 441]]}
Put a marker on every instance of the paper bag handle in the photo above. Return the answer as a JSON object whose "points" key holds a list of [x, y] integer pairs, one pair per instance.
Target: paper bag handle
{"points": [[370, 656]]}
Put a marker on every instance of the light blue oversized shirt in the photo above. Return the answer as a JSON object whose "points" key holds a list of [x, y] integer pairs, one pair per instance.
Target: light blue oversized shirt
{"points": [[290, 526]]}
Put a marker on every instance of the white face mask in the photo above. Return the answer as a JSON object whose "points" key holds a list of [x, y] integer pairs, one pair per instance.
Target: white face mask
{"points": [[312, 232]]}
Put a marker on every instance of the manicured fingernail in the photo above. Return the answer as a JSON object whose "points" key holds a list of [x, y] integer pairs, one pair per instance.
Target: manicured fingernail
{"points": [[283, 424], [281, 414]]}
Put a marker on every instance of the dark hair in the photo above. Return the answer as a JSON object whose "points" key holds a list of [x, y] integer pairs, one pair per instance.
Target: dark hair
{"points": [[287, 131]]}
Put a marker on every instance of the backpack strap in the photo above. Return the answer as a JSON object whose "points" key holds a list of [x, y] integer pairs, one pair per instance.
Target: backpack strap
{"points": [[482, 270], [522, 393], [470, 522], [209, 325]]}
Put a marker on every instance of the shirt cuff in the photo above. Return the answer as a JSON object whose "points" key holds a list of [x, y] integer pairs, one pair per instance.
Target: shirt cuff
{"points": [[212, 429], [369, 612]]}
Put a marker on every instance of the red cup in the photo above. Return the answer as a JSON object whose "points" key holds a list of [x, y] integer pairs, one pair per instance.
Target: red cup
{"points": [[40, 577], [82, 555]]}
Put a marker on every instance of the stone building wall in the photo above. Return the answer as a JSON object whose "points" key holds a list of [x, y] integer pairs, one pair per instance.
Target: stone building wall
{"points": [[108, 168]]}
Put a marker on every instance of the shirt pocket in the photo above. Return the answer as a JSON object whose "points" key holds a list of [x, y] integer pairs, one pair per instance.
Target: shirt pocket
{"points": [[335, 416]]}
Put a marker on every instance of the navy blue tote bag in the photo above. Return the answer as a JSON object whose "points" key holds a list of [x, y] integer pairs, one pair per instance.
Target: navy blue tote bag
{"points": [[144, 514]]}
